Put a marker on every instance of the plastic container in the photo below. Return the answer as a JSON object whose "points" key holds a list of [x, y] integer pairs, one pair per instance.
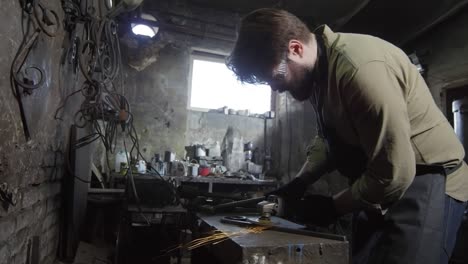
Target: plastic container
{"points": [[204, 171], [195, 168], [141, 166], [200, 151], [215, 151], [119, 159]]}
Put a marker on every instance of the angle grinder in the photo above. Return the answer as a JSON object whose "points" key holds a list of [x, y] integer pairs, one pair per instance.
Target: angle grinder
{"points": [[272, 206]]}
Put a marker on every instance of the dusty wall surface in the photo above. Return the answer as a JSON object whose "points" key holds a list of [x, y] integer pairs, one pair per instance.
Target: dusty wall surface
{"points": [[157, 80], [444, 52], [32, 169]]}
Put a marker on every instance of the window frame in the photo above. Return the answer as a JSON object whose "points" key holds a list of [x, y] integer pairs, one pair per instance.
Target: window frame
{"points": [[201, 55], [213, 56]]}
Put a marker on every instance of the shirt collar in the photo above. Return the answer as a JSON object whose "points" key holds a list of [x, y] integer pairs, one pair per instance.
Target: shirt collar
{"points": [[327, 34]]}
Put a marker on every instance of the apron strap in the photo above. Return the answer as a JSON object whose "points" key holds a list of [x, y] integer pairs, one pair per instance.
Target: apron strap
{"points": [[422, 169]]}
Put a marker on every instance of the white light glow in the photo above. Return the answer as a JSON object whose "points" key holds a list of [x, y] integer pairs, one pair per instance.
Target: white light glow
{"points": [[143, 30], [215, 86]]}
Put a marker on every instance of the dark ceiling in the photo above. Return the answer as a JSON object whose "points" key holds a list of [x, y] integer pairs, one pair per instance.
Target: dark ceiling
{"points": [[398, 21]]}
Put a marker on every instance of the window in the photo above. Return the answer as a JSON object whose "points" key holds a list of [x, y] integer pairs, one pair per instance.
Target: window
{"points": [[214, 86]]}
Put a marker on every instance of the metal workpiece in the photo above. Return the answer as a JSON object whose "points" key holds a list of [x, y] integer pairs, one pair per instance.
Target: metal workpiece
{"points": [[234, 204], [269, 246]]}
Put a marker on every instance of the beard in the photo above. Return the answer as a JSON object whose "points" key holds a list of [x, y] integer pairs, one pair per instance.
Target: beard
{"points": [[303, 81]]}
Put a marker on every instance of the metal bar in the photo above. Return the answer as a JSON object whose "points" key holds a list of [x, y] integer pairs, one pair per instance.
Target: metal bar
{"points": [[106, 191], [339, 23], [284, 229], [98, 175], [238, 203], [436, 21], [198, 33], [34, 256], [24, 121], [168, 14]]}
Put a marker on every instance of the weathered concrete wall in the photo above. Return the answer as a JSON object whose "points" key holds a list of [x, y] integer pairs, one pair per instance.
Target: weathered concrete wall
{"points": [[33, 168], [444, 51], [158, 96], [157, 79], [206, 128]]}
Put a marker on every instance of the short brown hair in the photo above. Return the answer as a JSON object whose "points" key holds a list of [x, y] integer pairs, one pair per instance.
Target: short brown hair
{"points": [[263, 39]]}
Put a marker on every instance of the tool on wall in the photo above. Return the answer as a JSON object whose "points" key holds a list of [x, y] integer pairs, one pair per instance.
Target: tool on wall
{"points": [[29, 78], [97, 54]]}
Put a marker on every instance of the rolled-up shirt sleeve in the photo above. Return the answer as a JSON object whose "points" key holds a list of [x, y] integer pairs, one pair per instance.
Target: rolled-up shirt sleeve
{"points": [[317, 155], [376, 105], [318, 161]]}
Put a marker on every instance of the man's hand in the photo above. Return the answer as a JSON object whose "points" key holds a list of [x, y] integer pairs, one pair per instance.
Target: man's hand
{"points": [[294, 190], [315, 209], [344, 202]]}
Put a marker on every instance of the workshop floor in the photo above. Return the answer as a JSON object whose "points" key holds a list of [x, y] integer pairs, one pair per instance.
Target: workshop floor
{"points": [[92, 254]]}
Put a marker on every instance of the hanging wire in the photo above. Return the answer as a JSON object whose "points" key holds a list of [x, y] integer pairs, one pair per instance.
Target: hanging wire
{"points": [[104, 107], [98, 56]]}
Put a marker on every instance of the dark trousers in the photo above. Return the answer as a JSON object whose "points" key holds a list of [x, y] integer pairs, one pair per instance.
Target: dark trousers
{"points": [[420, 228]]}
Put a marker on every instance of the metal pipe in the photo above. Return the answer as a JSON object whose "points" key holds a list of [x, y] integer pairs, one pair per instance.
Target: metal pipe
{"points": [[339, 23], [198, 33], [238, 203], [438, 20]]}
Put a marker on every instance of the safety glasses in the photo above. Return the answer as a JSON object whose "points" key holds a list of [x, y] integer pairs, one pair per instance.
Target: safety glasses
{"points": [[281, 70]]}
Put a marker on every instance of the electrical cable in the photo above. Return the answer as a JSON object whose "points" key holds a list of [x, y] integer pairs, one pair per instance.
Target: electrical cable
{"points": [[132, 182], [134, 137], [68, 164], [69, 170], [86, 140], [100, 63], [63, 104], [104, 107]]}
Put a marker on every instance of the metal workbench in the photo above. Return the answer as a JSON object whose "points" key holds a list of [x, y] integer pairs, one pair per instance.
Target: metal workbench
{"points": [[269, 247], [210, 180]]}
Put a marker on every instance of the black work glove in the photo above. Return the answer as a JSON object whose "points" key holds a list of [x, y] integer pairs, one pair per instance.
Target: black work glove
{"points": [[315, 209], [293, 191]]}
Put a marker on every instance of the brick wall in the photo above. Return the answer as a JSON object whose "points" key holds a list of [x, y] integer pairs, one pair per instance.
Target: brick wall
{"points": [[37, 214], [33, 168]]}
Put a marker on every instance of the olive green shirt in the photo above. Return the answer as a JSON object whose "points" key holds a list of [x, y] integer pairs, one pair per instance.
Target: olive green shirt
{"points": [[377, 100]]}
